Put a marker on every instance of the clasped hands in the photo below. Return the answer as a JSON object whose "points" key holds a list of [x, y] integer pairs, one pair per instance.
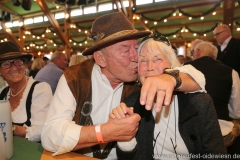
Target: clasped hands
{"points": [[156, 90]]}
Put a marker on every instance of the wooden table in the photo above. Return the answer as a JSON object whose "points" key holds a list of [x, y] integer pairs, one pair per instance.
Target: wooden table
{"points": [[27, 150]]}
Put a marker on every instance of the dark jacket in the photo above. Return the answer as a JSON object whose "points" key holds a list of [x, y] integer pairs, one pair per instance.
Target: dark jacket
{"points": [[198, 126], [230, 56], [218, 83]]}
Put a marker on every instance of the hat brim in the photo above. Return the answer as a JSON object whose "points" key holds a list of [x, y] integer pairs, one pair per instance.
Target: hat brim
{"points": [[26, 57], [127, 36]]}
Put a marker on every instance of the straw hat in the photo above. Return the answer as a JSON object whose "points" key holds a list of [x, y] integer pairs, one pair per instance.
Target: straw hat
{"points": [[110, 29], [9, 50]]}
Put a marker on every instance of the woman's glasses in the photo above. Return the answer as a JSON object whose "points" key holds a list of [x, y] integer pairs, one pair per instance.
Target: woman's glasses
{"points": [[8, 64], [159, 38]]}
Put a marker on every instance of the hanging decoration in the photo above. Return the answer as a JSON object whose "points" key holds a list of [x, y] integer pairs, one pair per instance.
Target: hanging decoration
{"points": [[202, 14], [184, 13], [169, 34], [38, 33], [201, 32], [32, 44], [56, 42], [83, 28], [237, 23], [189, 30], [158, 19], [78, 41]]}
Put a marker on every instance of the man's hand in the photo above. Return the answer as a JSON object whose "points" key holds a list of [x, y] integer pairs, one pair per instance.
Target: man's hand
{"points": [[121, 111], [161, 87], [121, 129]]}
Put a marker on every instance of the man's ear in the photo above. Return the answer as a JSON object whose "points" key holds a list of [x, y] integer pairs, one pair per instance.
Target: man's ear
{"points": [[99, 58]]}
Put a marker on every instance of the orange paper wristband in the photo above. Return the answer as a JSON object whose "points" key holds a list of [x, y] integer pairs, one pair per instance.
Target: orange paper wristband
{"points": [[99, 134]]}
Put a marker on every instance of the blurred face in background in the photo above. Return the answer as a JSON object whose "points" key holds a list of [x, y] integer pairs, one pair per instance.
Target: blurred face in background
{"points": [[45, 62], [62, 61], [221, 34]]}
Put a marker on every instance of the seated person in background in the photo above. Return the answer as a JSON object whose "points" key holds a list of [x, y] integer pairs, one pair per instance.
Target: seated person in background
{"points": [[2, 82], [187, 126], [195, 42], [45, 61], [28, 66], [188, 59], [51, 72], [88, 91], [75, 59], [181, 59], [36, 66], [29, 107], [223, 85]]}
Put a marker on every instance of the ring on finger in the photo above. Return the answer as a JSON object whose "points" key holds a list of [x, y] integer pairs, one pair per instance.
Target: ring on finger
{"points": [[164, 90]]}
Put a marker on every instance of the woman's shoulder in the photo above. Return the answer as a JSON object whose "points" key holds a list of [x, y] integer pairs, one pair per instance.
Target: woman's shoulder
{"points": [[43, 86], [198, 100]]}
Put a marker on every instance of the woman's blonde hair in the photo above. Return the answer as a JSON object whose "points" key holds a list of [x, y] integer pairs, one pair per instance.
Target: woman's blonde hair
{"points": [[37, 64], [75, 59]]}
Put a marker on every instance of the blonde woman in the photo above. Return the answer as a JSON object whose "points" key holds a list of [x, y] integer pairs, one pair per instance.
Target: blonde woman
{"points": [[187, 126], [75, 59], [36, 66]]}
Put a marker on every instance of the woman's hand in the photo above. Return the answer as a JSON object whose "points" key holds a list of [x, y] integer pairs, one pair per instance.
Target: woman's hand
{"points": [[121, 111]]}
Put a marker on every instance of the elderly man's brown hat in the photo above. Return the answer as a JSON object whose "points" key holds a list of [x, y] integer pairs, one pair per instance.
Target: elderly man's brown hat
{"points": [[9, 50], [110, 29]]}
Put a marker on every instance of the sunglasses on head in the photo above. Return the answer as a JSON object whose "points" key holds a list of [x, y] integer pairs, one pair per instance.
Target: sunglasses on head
{"points": [[159, 38]]}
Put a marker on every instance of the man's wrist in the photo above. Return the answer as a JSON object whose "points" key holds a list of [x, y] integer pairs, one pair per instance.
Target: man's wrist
{"points": [[99, 134], [175, 75]]}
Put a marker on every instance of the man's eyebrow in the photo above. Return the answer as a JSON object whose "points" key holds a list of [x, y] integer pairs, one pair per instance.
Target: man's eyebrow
{"points": [[124, 45]]}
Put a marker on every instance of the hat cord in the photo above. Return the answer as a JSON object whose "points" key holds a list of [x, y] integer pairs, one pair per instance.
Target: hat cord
{"points": [[14, 95]]}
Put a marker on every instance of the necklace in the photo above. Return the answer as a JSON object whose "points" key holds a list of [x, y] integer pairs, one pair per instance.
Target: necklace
{"points": [[14, 95]]}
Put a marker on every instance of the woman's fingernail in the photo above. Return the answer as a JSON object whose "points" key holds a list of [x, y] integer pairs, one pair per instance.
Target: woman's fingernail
{"points": [[148, 108]]}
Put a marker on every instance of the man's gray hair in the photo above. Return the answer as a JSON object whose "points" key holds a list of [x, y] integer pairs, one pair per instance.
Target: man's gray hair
{"points": [[207, 48], [56, 54], [196, 42]]}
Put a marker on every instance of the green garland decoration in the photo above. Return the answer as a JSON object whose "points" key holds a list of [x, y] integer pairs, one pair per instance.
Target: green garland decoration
{"points": [[38, 34], [58, 43], [184, 13], [201, 32], [78, 41], [83, 28], [169, 34], [237, 23], [158, 19], [39, 45], [202, 14]]}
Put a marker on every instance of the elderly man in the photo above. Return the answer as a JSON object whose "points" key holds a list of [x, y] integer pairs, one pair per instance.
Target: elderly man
{"points": [[52, 72], [87, 92], [223, 85], [194, 44], [229, 47]]}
